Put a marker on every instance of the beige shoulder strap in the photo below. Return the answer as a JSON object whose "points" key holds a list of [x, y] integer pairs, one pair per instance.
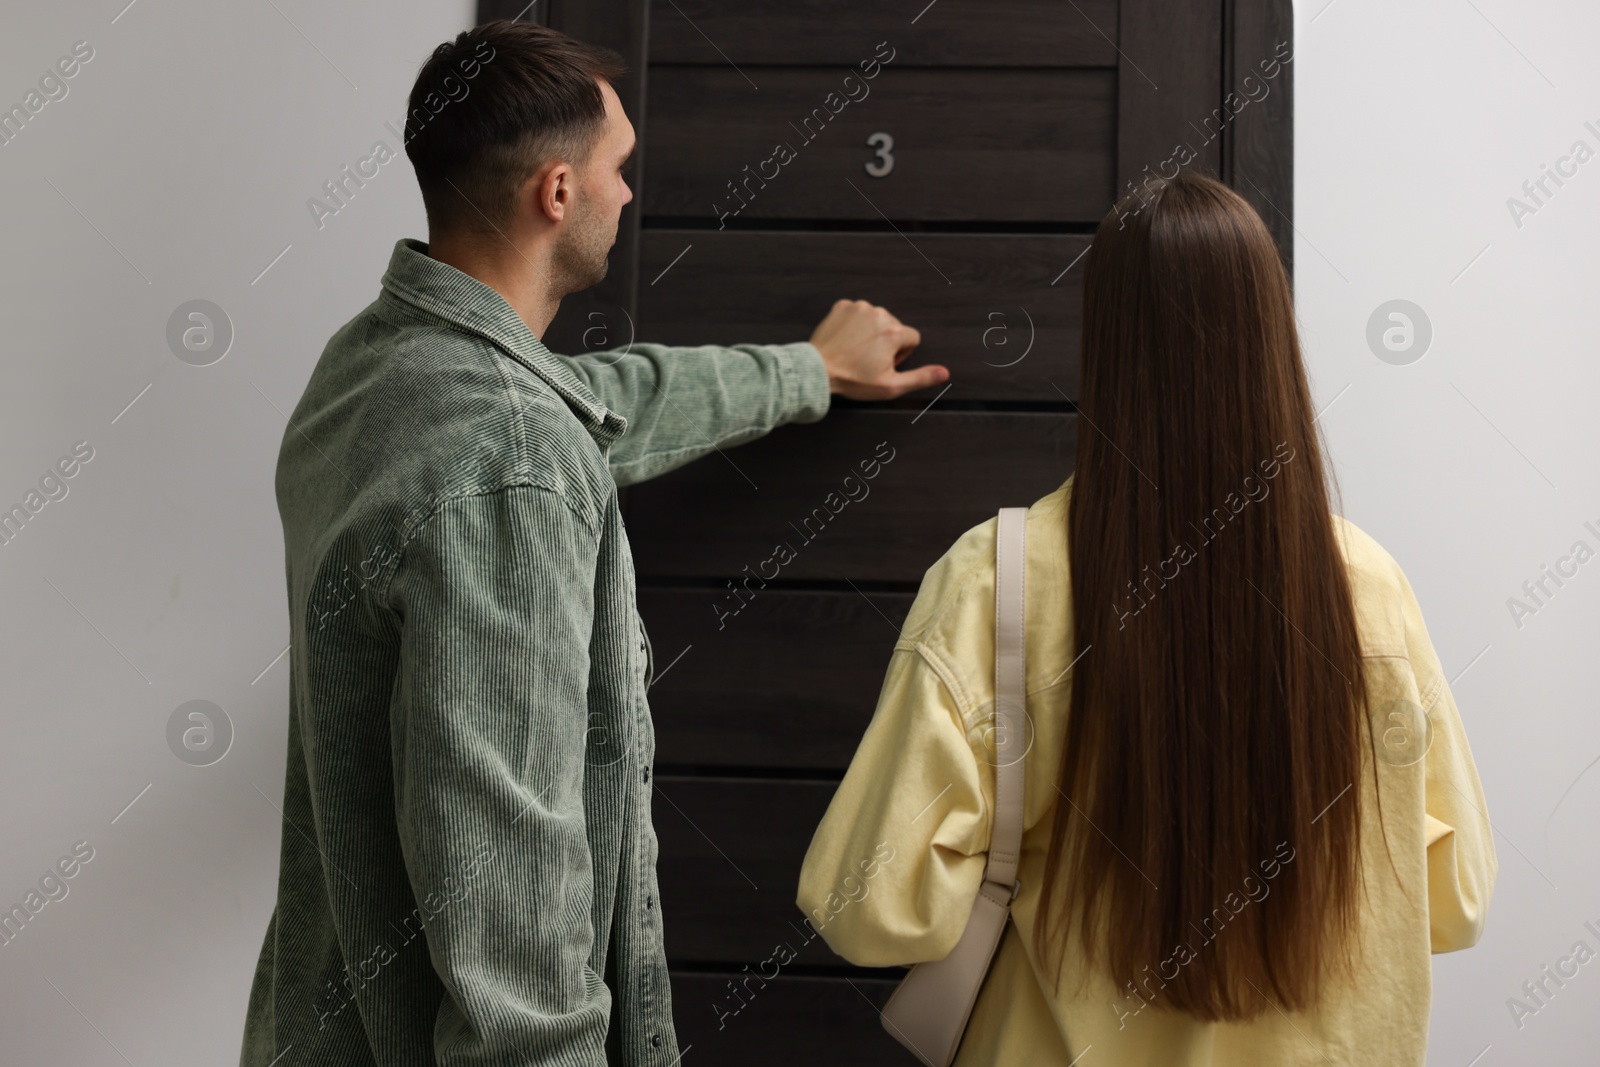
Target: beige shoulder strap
{"points": [[928, 1011], [1010, 685]]}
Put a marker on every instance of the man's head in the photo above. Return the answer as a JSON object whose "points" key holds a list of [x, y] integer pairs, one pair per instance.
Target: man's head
{"points": [[518, 139]]}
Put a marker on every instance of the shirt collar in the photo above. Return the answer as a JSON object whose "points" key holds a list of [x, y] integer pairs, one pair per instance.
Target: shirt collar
{"points": [[462, 300]]}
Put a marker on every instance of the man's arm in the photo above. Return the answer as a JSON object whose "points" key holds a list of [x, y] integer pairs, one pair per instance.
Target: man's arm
{"points": [[496, 594], [681, 403]]}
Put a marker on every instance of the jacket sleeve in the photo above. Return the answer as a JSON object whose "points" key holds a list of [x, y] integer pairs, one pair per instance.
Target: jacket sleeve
{"points": [[894, 867], [1462, 865], [488, 723], [681, 403]]}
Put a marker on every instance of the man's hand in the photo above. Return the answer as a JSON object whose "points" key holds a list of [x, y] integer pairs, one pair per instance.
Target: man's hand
{"points": [[862, 344]]}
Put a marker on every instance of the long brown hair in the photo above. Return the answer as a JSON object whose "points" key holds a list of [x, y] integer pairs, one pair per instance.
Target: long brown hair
{"points": [[1206, 842]]}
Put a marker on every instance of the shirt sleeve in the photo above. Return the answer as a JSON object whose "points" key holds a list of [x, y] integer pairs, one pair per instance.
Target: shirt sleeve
{"points": [[895, 865], [681, 403], [488, 721], [1462, 865]]}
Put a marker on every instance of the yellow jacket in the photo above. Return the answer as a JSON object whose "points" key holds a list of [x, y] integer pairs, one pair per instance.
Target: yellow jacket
{"points": [[895, 865]]}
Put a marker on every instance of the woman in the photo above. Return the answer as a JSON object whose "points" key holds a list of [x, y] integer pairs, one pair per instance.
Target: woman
{"points": [[1250, 809]]}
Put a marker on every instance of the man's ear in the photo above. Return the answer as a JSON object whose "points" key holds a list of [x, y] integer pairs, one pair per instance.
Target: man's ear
{"points": [[551, 190]]}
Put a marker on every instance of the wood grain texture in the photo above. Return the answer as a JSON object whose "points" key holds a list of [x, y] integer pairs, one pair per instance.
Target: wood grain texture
{"points": [[1169, 86], [978, 33], [788, 1022], [1259, 144], [985, 304], [999, 146], [945, 472], [521, 10], [729, 867], [767, 677]]}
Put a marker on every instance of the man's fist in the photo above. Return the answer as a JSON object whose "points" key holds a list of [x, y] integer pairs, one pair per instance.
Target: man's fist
{"points": [[862, 344]]}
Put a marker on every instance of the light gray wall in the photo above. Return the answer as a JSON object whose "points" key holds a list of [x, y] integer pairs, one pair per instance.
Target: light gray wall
{"points": [[178, 167], [1476, 464]]}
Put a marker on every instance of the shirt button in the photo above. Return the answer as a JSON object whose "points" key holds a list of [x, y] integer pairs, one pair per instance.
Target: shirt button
{"points": [[655, 1039]]}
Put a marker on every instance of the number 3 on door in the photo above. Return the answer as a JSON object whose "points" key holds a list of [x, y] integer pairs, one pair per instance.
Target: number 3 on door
{"points": [[880, 167]]}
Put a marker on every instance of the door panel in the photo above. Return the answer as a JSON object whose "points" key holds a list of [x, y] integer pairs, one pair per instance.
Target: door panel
{"points": [[730, 861], [733, 1017], [879, 496], [766, 677], [1001, 311], [1034, 145], [1010, 128], [977, 33]]}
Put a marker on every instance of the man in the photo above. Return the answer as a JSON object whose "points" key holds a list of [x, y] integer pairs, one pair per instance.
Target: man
{"points": [[468, 865]]}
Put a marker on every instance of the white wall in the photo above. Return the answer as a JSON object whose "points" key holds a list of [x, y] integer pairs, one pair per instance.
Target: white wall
{"points": [[1474, 465], [190, 144]]}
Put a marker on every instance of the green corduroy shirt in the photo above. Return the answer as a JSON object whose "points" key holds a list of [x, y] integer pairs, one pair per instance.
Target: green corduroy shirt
{"points": [[468, 867]]}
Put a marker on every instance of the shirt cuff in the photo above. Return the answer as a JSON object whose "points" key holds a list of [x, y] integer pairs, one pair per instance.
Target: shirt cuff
{"points": [[806, 395]]}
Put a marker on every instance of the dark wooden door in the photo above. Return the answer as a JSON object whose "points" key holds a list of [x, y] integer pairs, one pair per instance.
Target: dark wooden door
{"points": [[949, 160]]}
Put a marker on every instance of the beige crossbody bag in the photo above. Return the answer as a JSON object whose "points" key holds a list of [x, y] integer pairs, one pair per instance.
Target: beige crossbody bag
{"points": [[929, 1010]]}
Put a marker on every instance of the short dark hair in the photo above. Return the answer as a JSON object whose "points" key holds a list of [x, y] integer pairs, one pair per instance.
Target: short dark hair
{"points": [[493, 106]]}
